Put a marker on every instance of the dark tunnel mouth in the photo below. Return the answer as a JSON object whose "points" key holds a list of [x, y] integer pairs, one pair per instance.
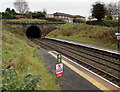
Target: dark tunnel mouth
{"points": [[33, 32]]}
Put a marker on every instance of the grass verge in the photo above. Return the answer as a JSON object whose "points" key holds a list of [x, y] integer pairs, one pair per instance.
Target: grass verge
{"points": [[30, 20], [25, 20], [98, 35], [22, 69]]}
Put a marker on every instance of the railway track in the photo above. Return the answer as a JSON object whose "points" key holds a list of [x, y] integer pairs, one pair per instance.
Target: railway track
{"points": [[103, 64]]}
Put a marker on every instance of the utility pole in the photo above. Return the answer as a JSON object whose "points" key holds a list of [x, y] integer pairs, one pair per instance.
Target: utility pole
{"points": [[118, 34], [118, 24]]}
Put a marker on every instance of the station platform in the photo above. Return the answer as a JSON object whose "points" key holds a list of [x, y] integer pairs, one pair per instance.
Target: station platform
{"points": [[75, 76]]}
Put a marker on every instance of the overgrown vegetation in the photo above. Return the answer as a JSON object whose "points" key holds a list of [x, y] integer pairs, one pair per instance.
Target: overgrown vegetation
{"points": [[11, 81], [98, 35], [108, 23], [21, 68]]}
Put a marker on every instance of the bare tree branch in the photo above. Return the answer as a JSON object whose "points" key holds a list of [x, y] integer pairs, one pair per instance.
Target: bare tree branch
{"points": [[112, 9], [21, 6]]}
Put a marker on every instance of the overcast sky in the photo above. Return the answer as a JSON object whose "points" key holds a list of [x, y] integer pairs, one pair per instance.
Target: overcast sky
{"points": [[75, 7]]}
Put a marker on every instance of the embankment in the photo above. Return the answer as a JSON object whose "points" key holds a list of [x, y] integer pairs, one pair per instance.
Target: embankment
{"points": [[22, 69], [98, 35]]}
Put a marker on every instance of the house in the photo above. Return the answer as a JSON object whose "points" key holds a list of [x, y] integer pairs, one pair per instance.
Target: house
{"points": [[19, 16], [49, 16], [78, 17], [23, 16], [64, 17]]}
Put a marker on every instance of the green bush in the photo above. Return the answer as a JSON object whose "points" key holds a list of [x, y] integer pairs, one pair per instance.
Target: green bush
{"points": [[78, 21], [54, 20], [103, 23], [25, 82]]}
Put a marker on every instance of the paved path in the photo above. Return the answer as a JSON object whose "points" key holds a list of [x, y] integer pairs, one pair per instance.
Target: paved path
{"points": [[70, 80]]}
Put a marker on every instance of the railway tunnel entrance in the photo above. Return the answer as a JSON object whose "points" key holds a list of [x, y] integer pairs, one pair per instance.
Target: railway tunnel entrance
{"points": [[33, 32]]}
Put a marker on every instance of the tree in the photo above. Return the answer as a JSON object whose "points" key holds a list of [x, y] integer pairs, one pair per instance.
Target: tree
{"points": [[8, 13], [98, 11], [112, 10], [8, 10], [44, 12], [13, 11], [21, 6], [39, 14]]}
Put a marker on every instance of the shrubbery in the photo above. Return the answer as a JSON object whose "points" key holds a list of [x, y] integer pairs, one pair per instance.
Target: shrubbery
{"points": [[25, 82], [103, 23], [54, 20], [78, 21]]}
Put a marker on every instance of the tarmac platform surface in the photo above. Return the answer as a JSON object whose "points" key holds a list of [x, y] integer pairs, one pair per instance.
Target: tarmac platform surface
{"points": [[70, 80]]}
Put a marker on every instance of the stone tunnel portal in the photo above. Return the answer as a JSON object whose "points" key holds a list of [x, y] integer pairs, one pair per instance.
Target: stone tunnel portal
{"points": [[33, 32]]}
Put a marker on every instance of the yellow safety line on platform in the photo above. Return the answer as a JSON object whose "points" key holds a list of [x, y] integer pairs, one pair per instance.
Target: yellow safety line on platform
{"points": [[94, 82]]}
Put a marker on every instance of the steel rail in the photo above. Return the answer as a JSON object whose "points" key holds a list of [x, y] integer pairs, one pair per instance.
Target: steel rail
{"points": [[93, 55], [106, 75]]}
